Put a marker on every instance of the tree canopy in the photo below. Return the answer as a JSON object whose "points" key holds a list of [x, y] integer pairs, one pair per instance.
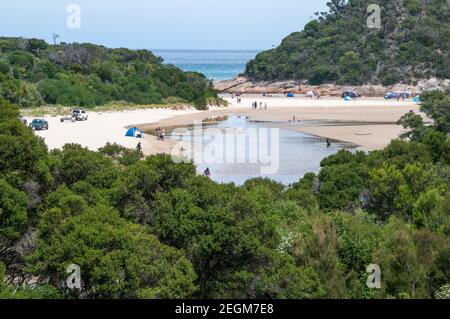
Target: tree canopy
{"points": [[146, 227], [339, 47], [33, 73]]}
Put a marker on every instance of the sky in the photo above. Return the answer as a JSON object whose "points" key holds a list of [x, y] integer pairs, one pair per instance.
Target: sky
{"points": [[160, 24]]}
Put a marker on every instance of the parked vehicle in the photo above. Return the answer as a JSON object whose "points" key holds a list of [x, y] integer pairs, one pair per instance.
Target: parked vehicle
{"points": [[391, 95], [80, 115], [407, 94], [350, 93], [398, 95], [39, 124]]}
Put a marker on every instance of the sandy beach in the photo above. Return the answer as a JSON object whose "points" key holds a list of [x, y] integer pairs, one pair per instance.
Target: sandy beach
{"points": [[367, 122], [111, 127]]}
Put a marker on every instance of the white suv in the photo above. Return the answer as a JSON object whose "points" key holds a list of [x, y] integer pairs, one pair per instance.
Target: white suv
{"points": [[80, 115]]}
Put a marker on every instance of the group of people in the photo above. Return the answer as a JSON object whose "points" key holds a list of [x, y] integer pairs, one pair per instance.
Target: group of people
{"points": [[238, 97], [255, 105], [160, 134]]}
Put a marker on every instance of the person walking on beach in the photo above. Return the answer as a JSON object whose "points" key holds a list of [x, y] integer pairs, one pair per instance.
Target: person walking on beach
{"points": [[139, 147], [207, 172], [260, 105], [265, 106]]}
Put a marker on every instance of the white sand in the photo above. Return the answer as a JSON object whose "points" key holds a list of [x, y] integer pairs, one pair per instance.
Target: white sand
{"points": [[102, 128], [368, 122], [279, 101]]}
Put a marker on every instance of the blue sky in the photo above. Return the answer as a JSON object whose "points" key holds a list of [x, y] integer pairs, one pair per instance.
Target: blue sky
{"points": [[162, 24]]}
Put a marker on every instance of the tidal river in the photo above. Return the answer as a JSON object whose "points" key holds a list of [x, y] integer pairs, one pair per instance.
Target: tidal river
{"points": [[282, 155]]}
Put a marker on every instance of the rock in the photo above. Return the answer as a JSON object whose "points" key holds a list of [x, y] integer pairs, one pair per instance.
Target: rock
{"points": [[244, 85], [226, 85], [371, 90], [433, 84]]}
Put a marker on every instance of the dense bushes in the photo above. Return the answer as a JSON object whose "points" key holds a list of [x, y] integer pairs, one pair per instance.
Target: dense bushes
{"points": [[150, 228], [33, 73], [413, 43]]}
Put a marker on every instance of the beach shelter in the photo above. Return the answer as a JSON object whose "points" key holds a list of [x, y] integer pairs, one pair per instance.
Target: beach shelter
{"points": [[290, 95], [347, 98], [134, 132]]}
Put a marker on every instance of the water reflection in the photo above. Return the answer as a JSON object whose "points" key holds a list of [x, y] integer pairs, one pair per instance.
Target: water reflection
{"points": [[299, 154]]}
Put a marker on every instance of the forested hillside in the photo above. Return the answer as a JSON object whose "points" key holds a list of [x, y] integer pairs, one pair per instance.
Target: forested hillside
{"points": [[33, 73], [338, 47], [149, 228]]}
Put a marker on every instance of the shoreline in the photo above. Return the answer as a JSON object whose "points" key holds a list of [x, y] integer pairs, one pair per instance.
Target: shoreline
{"points": [[245, 85], [369, 123]]}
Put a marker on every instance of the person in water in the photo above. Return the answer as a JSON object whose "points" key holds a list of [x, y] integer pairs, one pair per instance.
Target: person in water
{"points": [[328, 143]]}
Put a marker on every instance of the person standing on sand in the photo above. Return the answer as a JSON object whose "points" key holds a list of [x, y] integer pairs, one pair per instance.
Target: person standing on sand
{"points": [[260, 105], [265, 106], [139, 147]]}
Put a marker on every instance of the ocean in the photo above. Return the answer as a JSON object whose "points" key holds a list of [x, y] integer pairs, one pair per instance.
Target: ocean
{"points": [[215, 65]]}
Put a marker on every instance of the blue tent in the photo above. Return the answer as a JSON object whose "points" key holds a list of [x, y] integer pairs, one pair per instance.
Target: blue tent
{"points": [[347, 98], [134, 132], [290, 95]]}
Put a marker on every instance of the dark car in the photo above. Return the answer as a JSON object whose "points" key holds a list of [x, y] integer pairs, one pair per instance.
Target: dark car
{"points": [[391, 95], [39, 124], [350, 93]]}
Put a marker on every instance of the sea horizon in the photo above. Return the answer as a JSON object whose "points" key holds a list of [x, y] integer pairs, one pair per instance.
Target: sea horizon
{"points": [[214, 64]]}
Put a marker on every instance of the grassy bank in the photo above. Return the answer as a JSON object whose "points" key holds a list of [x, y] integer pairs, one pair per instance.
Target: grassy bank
{"points": [[60, 110]]}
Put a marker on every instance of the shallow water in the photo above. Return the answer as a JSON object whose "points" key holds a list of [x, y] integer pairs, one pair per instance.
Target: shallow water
{"points": [[293, 154]]}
